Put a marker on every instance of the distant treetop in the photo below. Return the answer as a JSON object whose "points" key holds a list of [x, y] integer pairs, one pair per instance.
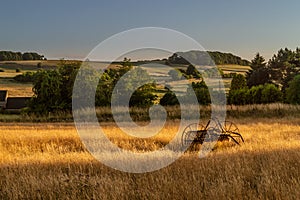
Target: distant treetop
{"points": [[206, 58], [15, 56]]}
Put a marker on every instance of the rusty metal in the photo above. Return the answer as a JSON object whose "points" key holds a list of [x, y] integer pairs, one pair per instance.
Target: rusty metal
{"points": [[214, 130]]}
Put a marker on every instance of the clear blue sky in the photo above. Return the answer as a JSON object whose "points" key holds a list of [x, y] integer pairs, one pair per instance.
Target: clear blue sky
{"points": [[70, 29]]}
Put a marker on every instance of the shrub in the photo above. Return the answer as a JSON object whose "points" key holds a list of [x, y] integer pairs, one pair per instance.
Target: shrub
{"points": [[238, 82], [267, 93], [39, 65], [238, 97], [293, 91], [25, 77], [202, 92], [271, 94], [256, 94], [169, 99]]}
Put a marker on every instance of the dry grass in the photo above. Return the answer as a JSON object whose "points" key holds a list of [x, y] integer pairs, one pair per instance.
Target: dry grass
{"points": [[16, 89], [48, 161], [28, 64], [234, 68]]}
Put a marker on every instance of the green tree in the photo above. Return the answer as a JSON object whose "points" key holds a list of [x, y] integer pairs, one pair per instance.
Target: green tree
{"points": [[284, 67], [192, 71], [238, 96], [67, 72], [259, 74], [169, 99], [25, 77], [9, 55], [257, 62], [238, 82], [133, 82], [104, 90], [238, 90], [270, 94], [201, 91], [53, 88], [143, 96], [27, 56], [47, 95], [293, 91], [255, 94]]}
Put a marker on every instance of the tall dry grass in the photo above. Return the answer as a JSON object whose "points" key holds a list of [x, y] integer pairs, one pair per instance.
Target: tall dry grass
{"points": [[48, 161], [104, 114]]}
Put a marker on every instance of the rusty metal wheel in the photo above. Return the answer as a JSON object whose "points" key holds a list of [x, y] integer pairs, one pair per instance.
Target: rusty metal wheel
{"points": [[190, 133], [230, 130]]}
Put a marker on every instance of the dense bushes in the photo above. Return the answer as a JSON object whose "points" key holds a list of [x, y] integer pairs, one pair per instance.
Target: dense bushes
{"points": [[293, 91], [267, 93], [277, 80], [53, 89], [238, 97], [200, 89], [169, 99], [271, 94], [239, 93], [25, 77]]}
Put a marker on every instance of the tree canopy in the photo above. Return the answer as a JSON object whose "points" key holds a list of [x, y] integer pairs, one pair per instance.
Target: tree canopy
{"points": [[53, 89], [208, 58], [284, 67], [259, 73], [293, 91], [15, 56]]}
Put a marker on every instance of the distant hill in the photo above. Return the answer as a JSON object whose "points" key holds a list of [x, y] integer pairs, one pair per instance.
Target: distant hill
{"points": [[207, 58], [15, 56]]}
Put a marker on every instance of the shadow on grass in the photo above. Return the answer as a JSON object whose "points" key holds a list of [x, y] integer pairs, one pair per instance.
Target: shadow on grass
{"points": [[251, 175]]}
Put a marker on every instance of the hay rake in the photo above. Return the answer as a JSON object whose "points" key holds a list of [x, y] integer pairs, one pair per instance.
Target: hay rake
{"points": [[214, 130]]}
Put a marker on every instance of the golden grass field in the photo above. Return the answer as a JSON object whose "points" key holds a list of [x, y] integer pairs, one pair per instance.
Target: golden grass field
{"points": [[16, 89], [48, 161]]}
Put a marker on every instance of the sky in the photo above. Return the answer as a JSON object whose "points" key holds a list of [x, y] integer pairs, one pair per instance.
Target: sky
{"points": [[71, 29]]}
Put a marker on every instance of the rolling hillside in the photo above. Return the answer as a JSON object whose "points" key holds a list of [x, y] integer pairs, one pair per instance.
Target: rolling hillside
{"points": [[9, 69]]}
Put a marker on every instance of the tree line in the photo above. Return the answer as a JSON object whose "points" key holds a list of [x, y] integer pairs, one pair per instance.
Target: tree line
{"points": [[53, 89], [277, 80], [266, 82], [15, 56], [206, 58]]}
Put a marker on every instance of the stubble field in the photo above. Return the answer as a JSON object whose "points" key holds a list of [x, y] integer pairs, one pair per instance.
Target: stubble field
{"points": [[48, 161]]}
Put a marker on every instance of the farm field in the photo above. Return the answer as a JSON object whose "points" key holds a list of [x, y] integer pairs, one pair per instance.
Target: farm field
{"points": [[48, 161], [234, 68], [17, 89], [30, 65]]}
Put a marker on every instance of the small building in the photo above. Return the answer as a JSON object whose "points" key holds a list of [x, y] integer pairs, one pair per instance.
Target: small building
{"points": [[3, 99], [16, 103]]}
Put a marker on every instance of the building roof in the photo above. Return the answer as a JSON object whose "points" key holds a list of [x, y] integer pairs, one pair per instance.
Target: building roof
{"points": [[17, 102], [3, 95]]}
